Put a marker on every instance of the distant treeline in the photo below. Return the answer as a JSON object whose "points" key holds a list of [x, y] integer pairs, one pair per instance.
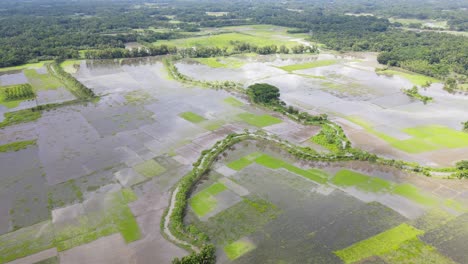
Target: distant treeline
{"points": [[198, 52]]}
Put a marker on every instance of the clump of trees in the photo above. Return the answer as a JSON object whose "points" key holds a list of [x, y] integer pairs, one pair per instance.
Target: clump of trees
{"points": [[207, 255], [462, 169], [414, 93], [18, 92], [263, 93], [465, 126]]}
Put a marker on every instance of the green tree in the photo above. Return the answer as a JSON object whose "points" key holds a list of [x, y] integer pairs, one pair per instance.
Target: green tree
{"points": [[264, 93]]}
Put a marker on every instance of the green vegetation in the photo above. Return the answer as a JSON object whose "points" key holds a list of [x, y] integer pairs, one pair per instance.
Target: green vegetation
{"points": [[226, 40], [11, 96], [15, 92], [42, 82], [332, 137], [204, 201], [18, 145], [21, 116], [425, 138], [234, 102], [411, 192], [117, 217], [416, 79], [259, 120], [239, 220], [149, 168], [76, 87], [244, 161], [192, 117], [414, 93], [207, 255], [308, 65], [129, 195], [415, 251], [348, 178], [70, 66], [263, 93], [380, 244], [26, 241], [221, 62], [274, 163], [238, 248]]}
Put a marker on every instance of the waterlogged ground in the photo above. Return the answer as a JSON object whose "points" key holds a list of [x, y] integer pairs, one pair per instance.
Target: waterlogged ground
{"points": [[260, 205], [375, 113], [93, 185], [99, 174]]}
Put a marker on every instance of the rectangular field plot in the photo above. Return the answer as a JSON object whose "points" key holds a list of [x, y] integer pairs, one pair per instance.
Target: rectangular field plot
{"points": [[192, 117], [348, 178], [204, 201], [380, 244], [312, 64], [259, 120], [149, 168], [424, 138], [449, 237], [274, 163], [238, 248]]}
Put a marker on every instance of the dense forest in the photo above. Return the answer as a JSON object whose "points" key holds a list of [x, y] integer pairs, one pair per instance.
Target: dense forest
{"points": [[46, 29]]}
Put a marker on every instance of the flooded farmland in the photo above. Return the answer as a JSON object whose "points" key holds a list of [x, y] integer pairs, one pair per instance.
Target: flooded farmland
{"points": [[98, 166]]}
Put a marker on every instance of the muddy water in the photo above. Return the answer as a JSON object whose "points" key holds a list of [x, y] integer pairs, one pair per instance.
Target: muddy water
{"points": [[316, 220]]}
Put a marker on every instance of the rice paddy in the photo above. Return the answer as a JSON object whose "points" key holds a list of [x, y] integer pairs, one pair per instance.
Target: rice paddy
{"points": [[149, 168], [204, 201], [192, 117], [424, 138], [259, 120], [238, 248], [308, 65], [380, 244]]}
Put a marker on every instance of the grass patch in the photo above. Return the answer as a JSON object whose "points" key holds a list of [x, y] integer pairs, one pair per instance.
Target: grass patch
{"points": [[26, 241], [137, 97], [259, 120], [414, 78], [117, 217], [204, 202], [70, 65], [129, 195], [425, 138], [36, 65], [213, 125], [239, 220], [18, 145], [308, 65], [225, 39], [238, 248], [42, 82], [411, 192], [274, 163], [233, 102], [347, 178], [414, 251], [221, 62], [192, 117], [149, 168], [21, 116], [380, 244]]}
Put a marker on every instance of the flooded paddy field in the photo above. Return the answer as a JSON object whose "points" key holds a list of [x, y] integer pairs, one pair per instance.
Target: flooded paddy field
{"points": [[261, 205], [375, 113], [101, 173]]}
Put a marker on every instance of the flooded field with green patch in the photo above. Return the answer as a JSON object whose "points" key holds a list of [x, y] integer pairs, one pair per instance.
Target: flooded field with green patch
{"points": [[87, 175], [369, 104], [259, 204]]}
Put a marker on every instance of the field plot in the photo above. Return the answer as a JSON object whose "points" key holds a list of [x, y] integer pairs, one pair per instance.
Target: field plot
{"points": [[296, 213], [259, 35]]}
